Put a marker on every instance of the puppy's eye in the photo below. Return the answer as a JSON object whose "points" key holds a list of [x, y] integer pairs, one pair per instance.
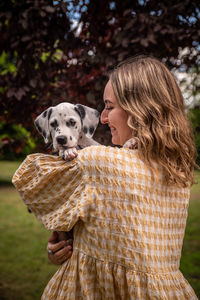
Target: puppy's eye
{"points": [[71, 123], [54, 124]]}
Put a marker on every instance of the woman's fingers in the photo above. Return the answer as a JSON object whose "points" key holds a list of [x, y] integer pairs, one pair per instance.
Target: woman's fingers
{"points": [[58, 252], [57, 246], [61, 255]]}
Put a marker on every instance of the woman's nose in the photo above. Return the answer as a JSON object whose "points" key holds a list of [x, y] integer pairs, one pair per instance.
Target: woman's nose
{"points": [[104, 117]]}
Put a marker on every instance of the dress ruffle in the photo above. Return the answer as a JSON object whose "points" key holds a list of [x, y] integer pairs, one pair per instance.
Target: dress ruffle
{"points": [[83, 278]]}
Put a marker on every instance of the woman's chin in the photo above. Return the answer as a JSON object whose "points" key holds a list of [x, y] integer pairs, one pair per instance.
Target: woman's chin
{"points": [[115, 141]]}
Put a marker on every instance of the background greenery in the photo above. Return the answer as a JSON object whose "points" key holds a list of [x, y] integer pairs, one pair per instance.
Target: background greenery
{"points": [[24, 268]]}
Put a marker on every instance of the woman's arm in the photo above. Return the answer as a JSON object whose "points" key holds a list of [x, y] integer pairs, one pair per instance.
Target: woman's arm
{"points": [[61, 251]]}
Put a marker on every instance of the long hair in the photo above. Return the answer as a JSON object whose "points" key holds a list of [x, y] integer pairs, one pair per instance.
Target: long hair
{"points": [[146, 89]]}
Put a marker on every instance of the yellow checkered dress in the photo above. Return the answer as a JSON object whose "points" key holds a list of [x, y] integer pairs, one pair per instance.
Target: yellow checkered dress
{"points": [[128, 229]]}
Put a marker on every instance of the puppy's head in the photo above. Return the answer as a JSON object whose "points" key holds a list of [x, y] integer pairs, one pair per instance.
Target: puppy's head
{"points": [[65, 123]]}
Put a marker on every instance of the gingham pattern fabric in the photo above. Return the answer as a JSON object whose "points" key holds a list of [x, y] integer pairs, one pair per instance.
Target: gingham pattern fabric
{"points": [[128, 228]]}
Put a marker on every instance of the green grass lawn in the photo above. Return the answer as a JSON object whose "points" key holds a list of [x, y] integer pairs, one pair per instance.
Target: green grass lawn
{"points": [[24, 267], [7, 169], [190, 261]]}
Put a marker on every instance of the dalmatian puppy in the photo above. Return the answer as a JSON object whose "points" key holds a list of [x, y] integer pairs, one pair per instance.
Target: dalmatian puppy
{"points": [[70, 127]]}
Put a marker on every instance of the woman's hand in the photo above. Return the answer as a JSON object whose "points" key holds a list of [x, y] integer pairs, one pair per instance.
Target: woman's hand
{"points": [[59, 252]]}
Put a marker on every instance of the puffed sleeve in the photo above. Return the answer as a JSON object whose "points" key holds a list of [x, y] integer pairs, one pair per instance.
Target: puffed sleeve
{"points": [[52, 188]]}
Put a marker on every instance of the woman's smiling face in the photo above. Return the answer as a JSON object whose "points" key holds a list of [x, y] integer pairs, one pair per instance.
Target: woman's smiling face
{"points": [[115, 117]]}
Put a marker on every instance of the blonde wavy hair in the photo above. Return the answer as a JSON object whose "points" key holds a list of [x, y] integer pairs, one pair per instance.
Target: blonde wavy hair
{"points": [[146, 89]]}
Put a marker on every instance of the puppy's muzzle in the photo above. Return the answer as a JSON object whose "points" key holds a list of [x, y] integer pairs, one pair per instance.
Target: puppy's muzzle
{"points": [[61, 140]]}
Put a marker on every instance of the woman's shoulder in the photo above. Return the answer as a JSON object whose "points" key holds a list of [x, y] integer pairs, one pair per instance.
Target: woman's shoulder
{"points": [[107, 154]]}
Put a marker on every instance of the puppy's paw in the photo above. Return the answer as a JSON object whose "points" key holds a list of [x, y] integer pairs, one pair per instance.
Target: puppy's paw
{"points": [[61, 153], [70, 154]]}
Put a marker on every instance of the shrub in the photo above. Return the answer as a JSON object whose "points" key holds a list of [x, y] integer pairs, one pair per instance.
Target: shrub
{"points": [[15, 141]]}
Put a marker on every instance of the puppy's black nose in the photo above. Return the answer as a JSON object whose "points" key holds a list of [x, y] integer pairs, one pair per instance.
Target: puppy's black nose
{"points": [[61, 139]]}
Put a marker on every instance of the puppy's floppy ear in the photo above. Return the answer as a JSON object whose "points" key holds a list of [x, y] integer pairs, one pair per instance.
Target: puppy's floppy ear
{"points": [[42, 124], [89, 118]]}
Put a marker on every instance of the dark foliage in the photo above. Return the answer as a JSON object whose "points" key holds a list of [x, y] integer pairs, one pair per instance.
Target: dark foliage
{"points": [[53, 63]]}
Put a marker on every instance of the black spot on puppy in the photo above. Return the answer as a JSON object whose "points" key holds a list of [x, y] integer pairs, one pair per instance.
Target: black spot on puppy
{"points": [[44, 134], [38, 126], [80, 110], [70, 138], [97, 114], [44, 114], [91, 130], [85, 129], [49, 113]]}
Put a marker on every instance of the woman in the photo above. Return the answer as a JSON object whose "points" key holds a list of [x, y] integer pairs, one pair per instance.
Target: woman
{"points": [[128, 206]]}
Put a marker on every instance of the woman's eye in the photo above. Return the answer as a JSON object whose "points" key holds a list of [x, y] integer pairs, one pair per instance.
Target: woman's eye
{"points": [[108, 108]]}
